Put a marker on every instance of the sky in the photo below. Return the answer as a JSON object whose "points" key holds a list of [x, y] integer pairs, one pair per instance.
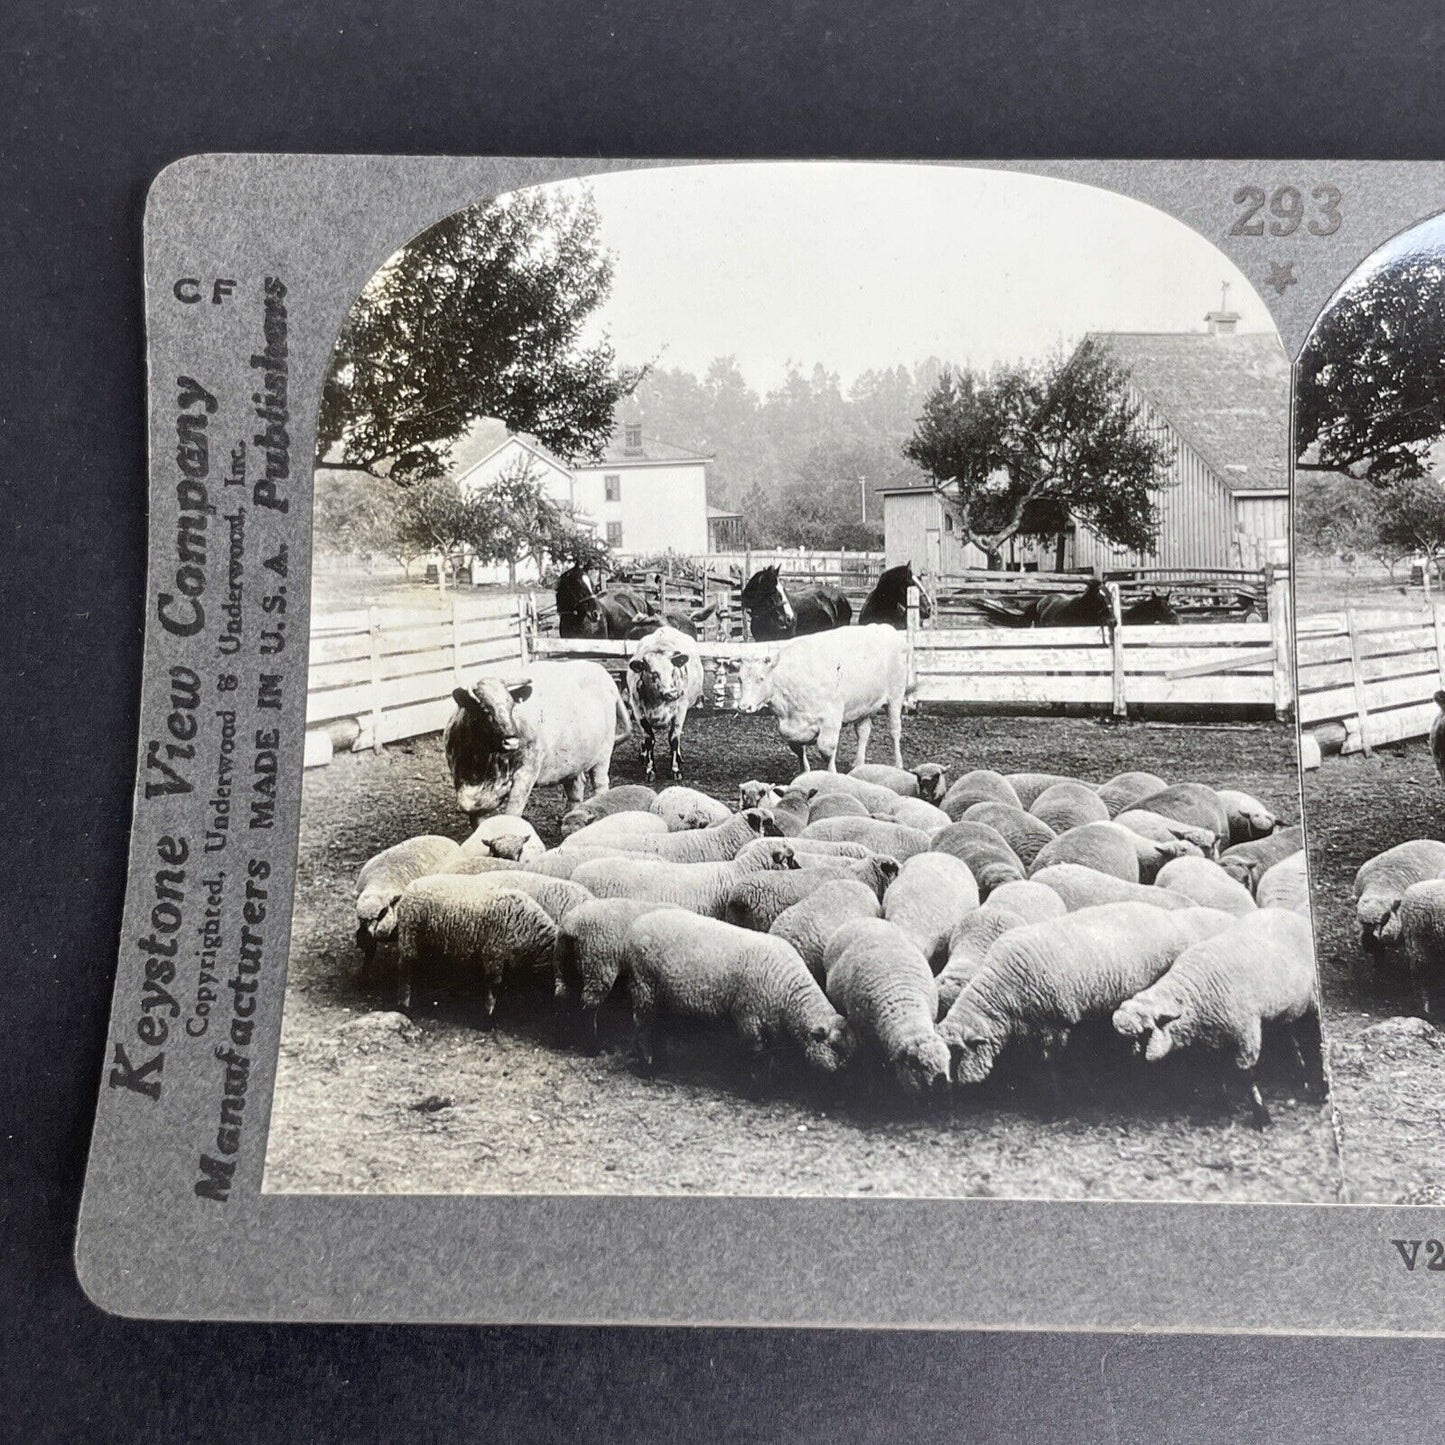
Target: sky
{"points": [[869, 265]]}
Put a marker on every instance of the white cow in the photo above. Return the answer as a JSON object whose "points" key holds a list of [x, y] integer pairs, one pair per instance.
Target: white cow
{"points": [[557, 725], [664, 679], [816, 684]]}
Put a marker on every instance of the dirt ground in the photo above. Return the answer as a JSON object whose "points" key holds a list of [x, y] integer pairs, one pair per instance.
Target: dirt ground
{"points": [[1388, 1065], [369, 1102]]}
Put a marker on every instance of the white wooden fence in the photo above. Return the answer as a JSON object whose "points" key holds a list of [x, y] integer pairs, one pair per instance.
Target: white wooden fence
{"points": [[381, 674], [1369, 676]]}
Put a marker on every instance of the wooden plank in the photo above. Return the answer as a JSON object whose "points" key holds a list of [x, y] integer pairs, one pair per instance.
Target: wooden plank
{"points": [[1354, 701], [1397, 726], [1238, 661], [1438, 628], [373, 702]]}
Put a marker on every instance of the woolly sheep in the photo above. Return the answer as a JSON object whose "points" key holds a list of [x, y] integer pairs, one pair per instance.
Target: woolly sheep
{"points": [[385, 877], [969, 944], [1105, 847], [555, 896], [1028, 786], [701, 968], [884, 987], [1383, 879], [756, 901], [836, 805], [1219, 992], [591, 954], [1207, 884], [487, 934], [701, 845], [915, 813], [811, 851], [982, 785], [1082, 887], [1159, 829], [871, 795], [812, 921], [1247, 863], [504, 835], [698, 887], [563, 862], [987, 853], [1033, 900], [485, 863], [684, 808], [927, 781], [890, 838], [1069, 805], [757, 794], [1417, 926], [607, 830], [1042, 981], [1248, 817], [790, 811], [1024, 833], [1191, 803], [928, 899], [629, 797], [1286, 885], [1124, 790]]}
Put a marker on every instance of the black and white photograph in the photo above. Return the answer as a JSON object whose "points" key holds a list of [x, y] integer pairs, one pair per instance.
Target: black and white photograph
{"points": [[799, 704], [1370, 541]]}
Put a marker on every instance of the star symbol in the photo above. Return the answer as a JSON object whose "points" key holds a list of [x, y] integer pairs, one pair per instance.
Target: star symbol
{"points": [[1282, 277]]}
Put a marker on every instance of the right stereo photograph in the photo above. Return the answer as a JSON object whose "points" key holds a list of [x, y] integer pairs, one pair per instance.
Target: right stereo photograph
{"points": [[1369, 528]]}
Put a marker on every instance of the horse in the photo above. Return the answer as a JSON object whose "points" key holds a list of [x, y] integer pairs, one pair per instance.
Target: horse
{"points": [[887, 603], [1155, 609], [685, 622], [1089, 608], [773, 616], [581, 612]]}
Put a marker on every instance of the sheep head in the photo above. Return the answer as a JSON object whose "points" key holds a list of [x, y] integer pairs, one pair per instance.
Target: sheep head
{"points": [[974, 1042], [1147, 1020]]}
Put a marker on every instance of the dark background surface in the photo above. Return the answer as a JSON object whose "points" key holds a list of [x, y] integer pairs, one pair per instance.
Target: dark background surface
{"points": [[94, 100]]}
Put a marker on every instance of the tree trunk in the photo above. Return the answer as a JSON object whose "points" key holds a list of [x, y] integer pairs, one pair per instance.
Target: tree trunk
{"points": [[1059, 543], [511, 571]]}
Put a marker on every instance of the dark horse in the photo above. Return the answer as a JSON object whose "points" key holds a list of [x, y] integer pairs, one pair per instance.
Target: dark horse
{"points": [[888, 601], [581, 612], [773, 615], [1089, 608]]}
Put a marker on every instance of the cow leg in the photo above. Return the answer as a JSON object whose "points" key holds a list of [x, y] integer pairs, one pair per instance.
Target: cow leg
{"points": [[801, 750], [828, 735], [895, 728], [523, 782], [597, 778], [864, 729], [674, 746], [648, 770], [574, 788]]}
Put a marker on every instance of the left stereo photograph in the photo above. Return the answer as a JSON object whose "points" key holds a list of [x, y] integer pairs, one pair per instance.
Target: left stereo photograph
{"points": [[639, 501]]}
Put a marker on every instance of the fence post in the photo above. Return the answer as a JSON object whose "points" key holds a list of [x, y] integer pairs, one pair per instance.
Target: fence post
{"points": [[1281, 628], [1357, 674], [522, 648], [1121, 702], [373, 627], [912, 618], [1439, 643]]}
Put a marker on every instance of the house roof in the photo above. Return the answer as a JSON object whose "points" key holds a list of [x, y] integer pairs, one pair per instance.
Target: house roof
{"points": [[654, 452], [714, 513], [485, 438], [1226, 395]]}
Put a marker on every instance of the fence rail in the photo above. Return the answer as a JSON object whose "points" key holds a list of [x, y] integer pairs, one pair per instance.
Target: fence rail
{"points": [[1368, 677]]}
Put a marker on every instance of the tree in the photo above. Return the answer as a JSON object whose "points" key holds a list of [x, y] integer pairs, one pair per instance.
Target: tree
{"points": [[356, 516], [1370, 394], [1336, 516], [1022, 450], [481, 315], [435, 515], [517, 519], [1411, 513]]}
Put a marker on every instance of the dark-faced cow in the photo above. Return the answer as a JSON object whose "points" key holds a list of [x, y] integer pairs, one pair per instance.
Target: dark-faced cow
{"points": [[664, 679], [557, 725]]}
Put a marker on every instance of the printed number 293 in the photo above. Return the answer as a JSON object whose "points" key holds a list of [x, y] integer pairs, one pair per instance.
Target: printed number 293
{"points": [[1287, 210]]}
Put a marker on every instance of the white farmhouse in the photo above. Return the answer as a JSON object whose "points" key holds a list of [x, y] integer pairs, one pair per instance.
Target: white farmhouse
{"points": [[646, 495]]}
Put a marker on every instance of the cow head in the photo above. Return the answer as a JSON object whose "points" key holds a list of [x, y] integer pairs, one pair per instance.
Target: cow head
{"points": [[755, 679], [661, 676], [484, 744]]}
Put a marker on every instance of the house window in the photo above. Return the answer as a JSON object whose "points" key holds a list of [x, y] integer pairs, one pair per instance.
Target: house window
{"points": [[612, 487], [614, 534], [948, 521], [633, 439]]}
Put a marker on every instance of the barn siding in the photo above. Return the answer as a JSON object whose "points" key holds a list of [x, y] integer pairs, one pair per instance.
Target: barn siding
{"points": [[1263, 522], [914, 527]]}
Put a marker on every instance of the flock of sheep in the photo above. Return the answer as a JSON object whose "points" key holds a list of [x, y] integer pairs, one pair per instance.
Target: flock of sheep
{"points": [[880, 922], [1400, 907]]}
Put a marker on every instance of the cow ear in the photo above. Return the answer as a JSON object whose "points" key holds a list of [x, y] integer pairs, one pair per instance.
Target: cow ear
{"points": [[680, 659], [636, 665], [464, 699], [521, 691]]}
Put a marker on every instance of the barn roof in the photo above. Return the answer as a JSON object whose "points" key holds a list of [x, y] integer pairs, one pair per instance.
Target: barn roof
{"points": [[1226, 395]]}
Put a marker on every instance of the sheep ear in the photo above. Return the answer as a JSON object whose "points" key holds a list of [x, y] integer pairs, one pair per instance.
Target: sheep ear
{"points": [[755, 820]]}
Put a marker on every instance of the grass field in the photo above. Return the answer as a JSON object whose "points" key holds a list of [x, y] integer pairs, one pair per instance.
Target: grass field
{"points": [[366, 1103]]}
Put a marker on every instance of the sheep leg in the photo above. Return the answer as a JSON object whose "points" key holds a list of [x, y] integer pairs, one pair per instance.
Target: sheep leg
{"points": [[1258, 1113], [367, 944], [864, 728], [1299, 1058], [644, 1038]]}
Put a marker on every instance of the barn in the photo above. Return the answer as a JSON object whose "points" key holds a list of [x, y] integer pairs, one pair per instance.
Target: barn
{"points": [[1220, 400]]}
